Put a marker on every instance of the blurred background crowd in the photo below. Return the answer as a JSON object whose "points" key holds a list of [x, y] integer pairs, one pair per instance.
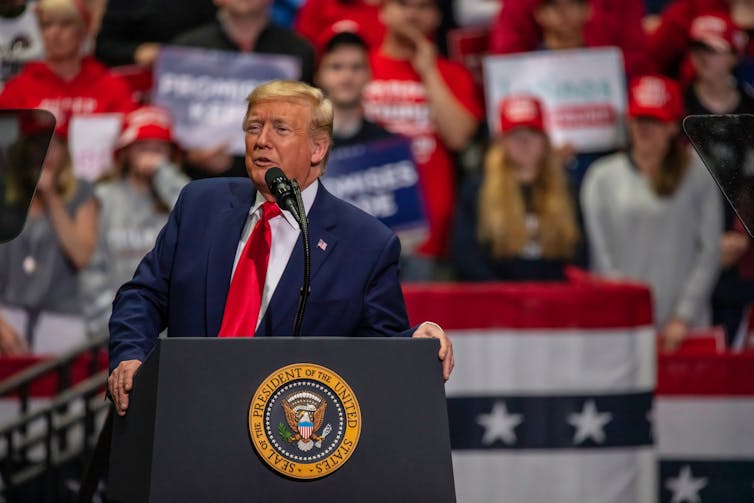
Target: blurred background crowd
{"points": [[503, 201]]}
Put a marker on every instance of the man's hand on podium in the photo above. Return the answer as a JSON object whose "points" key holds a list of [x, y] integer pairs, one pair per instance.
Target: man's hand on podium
{"points": [[120, 383], [432, 330], [121, 380]]}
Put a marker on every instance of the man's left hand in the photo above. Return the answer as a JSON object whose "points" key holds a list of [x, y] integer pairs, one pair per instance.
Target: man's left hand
{"points": [[433, 331]]}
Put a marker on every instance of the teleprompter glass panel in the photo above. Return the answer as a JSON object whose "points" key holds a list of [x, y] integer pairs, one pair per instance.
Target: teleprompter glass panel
{"points": [[726, 145], [24, 138]]}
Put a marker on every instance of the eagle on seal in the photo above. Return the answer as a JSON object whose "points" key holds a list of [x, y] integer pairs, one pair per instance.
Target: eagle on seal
{"points": [[304, 423]]}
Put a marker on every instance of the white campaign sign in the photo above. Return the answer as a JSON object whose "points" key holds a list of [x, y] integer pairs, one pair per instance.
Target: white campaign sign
{"points": [[583, 92], [92, 140]]}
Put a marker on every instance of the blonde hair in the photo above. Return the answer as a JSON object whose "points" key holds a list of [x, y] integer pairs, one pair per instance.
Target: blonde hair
{"points": [[502, 211], [293, 90], [71, 8], [65, 180]]}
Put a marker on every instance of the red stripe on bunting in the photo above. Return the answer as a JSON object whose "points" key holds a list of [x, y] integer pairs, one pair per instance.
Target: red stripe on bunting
{"points": [[584, 304], [726, 374], [48, 386]]}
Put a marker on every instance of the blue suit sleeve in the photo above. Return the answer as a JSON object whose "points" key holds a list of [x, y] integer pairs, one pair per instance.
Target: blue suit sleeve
{"points": [[384, 307], [140, 306]]}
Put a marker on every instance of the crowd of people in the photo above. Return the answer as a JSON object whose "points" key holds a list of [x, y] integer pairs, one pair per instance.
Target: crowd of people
{"points": [[646, 213]]}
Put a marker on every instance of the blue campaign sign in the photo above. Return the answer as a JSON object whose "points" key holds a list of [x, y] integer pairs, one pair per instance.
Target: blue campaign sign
{"points": [[205, 91], [380, 178]]}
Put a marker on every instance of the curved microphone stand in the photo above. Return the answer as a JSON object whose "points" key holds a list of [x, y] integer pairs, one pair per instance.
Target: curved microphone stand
{"points": [[306, 288]]}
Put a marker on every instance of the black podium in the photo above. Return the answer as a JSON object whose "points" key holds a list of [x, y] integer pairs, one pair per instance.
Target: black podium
{"points": [[187, 435]]}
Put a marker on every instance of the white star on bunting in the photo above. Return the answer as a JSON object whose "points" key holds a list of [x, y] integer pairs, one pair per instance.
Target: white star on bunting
{"points": [[499, 424], [589, 423], [685, 487]]}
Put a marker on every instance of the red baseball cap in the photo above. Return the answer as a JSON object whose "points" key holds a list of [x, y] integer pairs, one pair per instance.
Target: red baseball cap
{"points": [[342, 26], [655, 96], [146, 123], [521, 110], [718, 32]]}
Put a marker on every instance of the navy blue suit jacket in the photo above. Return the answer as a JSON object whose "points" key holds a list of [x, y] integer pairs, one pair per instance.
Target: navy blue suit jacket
{"points": [[183, 282]]}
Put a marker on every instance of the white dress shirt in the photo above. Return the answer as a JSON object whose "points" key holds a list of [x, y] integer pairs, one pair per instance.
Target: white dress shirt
{"points": [[285, 232]]}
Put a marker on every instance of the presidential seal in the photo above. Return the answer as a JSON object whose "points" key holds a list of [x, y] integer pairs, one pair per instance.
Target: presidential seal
{"points": [[304, 421]]}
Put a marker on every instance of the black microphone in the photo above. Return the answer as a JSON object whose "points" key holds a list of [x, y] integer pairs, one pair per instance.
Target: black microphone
{"points": [[288, 196], [282, 190]]}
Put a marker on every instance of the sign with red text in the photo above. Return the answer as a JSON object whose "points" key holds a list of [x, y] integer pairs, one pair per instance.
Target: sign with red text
{"points": [[583, 92], [92, 140]]}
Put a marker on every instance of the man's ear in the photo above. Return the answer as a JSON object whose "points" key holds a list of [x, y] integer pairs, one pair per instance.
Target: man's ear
{"points": [[320, 145]]}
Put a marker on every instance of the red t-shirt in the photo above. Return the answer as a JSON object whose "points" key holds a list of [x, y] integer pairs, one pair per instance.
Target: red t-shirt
{"points": [[396, 99], [93, 90]]}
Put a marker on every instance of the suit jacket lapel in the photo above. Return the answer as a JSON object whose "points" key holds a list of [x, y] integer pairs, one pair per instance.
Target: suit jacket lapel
{"points": [[280, 316], [228, 226]]}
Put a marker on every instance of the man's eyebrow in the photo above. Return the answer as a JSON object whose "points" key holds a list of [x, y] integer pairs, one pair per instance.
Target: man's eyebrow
{"points": [[274, 120]]}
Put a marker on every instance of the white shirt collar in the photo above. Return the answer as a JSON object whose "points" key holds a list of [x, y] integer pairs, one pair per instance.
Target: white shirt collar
{"points": [[307, 195]]}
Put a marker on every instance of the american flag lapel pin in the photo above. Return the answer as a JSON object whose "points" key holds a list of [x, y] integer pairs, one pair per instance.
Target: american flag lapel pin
{"points": [[322, 245]]}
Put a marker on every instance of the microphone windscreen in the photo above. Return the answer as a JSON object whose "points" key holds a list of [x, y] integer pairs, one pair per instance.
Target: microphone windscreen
{"points": [[272, 174]]}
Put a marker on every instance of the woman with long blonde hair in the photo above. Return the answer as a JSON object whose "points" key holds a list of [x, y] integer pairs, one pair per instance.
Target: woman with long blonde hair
{"points": [[517, 222]]}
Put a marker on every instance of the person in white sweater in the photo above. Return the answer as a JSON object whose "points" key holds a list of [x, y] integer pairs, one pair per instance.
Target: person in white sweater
{"points": [[652, 213]]}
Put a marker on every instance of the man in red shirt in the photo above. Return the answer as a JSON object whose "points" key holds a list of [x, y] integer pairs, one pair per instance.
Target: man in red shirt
{"points": [[611, 22], [416, 93], [65, 83]]}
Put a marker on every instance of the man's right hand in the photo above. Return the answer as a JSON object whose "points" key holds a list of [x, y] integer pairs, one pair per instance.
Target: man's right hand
{"points": [[120, 383]]}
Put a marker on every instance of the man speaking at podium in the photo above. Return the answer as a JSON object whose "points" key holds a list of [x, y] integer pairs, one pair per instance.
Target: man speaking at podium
{"points": [[229, 262]]}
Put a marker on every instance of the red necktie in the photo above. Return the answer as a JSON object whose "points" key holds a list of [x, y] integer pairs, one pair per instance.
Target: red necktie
{"points": [[245, 293]]}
